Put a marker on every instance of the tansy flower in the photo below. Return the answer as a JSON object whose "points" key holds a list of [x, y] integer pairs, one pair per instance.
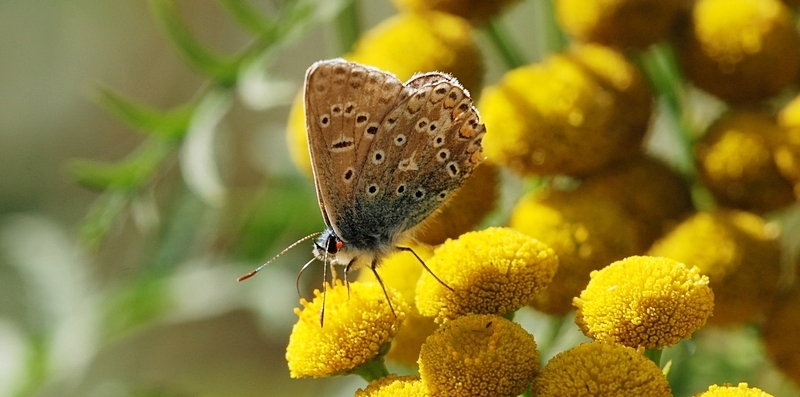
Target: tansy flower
{"points": [[395, 386], [601, 369], [404, 44], [739, 253], [736, 163], [479, 355], [787, 146], [733, 391], [401, 271], [475, 10], [644, 302], [740, 50], [357, 331], [571, 114], [780, 334], [648, 190], [493, 271], [620, 23], [465, 208], [586, 232]]}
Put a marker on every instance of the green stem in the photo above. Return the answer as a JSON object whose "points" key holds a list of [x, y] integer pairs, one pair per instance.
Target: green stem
{"points": [[372, 370], [505, 46], [527, 393], [552, 38], [654, 355], [348, 26]]}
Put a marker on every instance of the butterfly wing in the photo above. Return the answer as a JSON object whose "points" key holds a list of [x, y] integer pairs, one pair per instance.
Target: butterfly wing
{"points": [[344, 104]]}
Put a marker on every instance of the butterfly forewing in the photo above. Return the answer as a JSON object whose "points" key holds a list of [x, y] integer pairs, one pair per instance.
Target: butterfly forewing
{"points": [[344, 104]]}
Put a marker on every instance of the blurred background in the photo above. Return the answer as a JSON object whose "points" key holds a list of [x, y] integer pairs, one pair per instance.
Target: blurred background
{"points": [[119, 252]]}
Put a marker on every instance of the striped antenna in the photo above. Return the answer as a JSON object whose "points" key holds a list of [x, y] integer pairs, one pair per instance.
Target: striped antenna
{"points": [[258, 269]]}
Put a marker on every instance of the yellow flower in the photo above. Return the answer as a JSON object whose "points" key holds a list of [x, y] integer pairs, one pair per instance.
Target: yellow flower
{"points": [[475, 10], [740, 50], [780, 334], [787, 150], [644, 301], [358, 330], [736, 163], [739, 253], [648, 190], [733, 391], [395, 386], [493, 271], [401, 271], [465, 208], [479, 355], [621, 23], [601, 369], [571, 114], [404, 44], [586, 231]]}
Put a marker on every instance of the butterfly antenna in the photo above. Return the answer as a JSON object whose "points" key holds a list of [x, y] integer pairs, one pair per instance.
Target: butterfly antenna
{"points": [[375, 272], [258, 269], [408, 249], [300, 273]]}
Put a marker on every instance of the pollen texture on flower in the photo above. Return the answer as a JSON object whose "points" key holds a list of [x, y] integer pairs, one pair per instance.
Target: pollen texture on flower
{"points": [[733, 391], [357, 329], [644, 301], [601, 369], [493, 271], [479, 355], [395, 386]]}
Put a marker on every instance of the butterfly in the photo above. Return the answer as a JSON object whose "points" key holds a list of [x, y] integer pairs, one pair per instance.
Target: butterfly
{"points": [[385, 155]]}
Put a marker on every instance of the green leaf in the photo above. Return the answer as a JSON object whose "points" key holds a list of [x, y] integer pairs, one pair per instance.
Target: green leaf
{"points": [[222, 70], [101, 218], [130, 174], [167, 124], [248, 16]]}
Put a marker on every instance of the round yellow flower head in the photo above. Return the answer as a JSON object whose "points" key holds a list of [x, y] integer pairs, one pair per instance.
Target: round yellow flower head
{"points": [[395, 386], [587, 109], [733, 391], [586, 231], [493, 271], [601, 369], [740, 50], [739, 253], [357, 330], [787, 147], [405, 44], [644, 301], [648, 190], [736, 163], [465, 208], [620, 23], [477, 11], [479, 355], [401, 271], [780, 334]]}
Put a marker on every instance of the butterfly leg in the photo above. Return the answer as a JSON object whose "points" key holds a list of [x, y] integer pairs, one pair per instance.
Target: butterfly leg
{"points": [[375, 272], [346, 272], [408, 249], [324, 289]]}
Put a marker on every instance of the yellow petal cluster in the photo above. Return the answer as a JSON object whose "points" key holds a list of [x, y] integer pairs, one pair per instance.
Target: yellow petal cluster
{"points": [[586, 231], [358, 328], [601, 369], [492, 271], [571, 114], [395, 386], [733, 391], [476, 11], [465, 208], [787, 146], [780, 334], [405, 44], [401, 271], [740, 50], [739, 253], [645, 302], [619, 23], [736, 163], [479, 355], [648, 190]]}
